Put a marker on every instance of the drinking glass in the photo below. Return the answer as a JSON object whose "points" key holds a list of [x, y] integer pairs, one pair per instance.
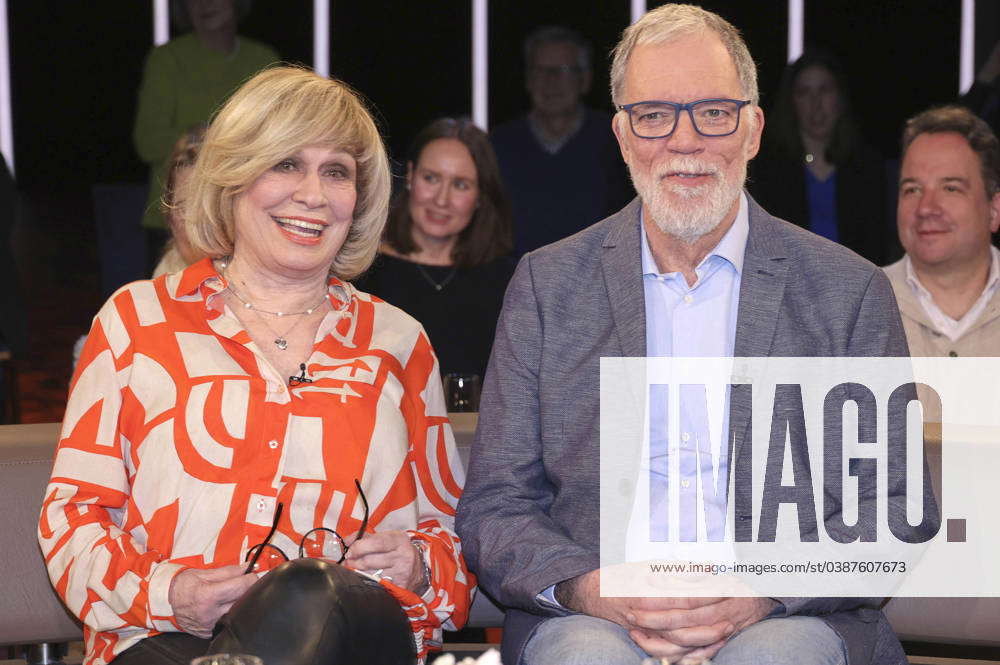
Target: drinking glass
{"points": [[461, 392], [227, 659]]}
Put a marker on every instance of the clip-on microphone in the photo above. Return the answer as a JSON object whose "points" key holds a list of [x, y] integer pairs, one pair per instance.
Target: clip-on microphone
{"points": [[296, 380]]}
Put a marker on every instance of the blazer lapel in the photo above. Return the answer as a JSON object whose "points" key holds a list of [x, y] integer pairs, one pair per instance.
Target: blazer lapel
{"points": [[622, 266], [762, 287]]}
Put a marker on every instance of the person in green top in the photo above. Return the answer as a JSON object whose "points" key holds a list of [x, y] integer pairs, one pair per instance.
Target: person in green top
{"points": [[184, 81]]}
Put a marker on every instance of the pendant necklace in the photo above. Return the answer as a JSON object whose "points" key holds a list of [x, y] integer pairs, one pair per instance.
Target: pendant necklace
{"points": [[280, 341], [430, 280]]}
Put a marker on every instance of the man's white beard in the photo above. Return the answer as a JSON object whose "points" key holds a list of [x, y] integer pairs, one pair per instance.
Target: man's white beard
{"points": [[701, 209]]}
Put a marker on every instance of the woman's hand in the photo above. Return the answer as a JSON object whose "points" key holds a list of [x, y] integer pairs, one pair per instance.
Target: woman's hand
{"points": [[394, 554], [200, 597]]}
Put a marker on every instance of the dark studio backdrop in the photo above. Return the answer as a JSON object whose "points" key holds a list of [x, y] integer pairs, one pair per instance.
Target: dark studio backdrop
{"points": [[76, 66]]}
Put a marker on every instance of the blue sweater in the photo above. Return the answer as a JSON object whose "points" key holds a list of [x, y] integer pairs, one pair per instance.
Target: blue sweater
{"points": [[554, 196]]}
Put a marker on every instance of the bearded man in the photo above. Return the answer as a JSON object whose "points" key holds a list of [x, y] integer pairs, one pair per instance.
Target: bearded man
{"points": [[692, 267]]}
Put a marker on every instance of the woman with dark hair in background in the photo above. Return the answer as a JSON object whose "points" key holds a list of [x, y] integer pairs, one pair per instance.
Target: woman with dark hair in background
{"points": [[815, 169], [444, 259]]}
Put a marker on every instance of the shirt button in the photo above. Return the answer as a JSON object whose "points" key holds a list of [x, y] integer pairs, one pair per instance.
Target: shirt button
{"points": [[689, 299], [261, 506], [952, 354], [685, 437], [685, 484], [272, 444]]}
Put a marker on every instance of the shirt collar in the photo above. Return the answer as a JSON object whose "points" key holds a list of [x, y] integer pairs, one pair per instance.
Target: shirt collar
{"points": [[204, 278], [197, 274], [732, 247], [918, 289]]}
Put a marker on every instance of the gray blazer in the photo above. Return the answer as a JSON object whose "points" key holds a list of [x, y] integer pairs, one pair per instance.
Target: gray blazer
{"points": [[529, 516]]}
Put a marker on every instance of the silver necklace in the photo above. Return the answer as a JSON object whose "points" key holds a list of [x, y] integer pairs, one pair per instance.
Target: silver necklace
{"points": [[280, 341], [430, 280]]}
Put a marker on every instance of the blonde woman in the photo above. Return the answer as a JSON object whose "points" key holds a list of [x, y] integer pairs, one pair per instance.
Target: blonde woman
{"points": [[255, 407]]}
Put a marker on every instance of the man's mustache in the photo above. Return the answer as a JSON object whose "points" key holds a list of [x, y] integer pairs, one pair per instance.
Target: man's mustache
{"points": [[686, 166]]}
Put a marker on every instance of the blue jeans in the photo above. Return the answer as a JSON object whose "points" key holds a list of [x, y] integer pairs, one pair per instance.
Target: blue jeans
{"points": [[583, 640]]}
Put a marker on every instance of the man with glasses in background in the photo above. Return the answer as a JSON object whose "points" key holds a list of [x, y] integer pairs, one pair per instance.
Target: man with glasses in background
{"points": [[692, 267], [559, 161]]}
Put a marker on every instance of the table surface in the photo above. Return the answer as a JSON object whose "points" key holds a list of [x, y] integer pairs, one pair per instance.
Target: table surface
{"points": [[464, 427]]}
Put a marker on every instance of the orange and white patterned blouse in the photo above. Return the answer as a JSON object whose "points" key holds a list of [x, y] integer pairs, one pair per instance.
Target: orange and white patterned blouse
{"points": [[180, 439]]}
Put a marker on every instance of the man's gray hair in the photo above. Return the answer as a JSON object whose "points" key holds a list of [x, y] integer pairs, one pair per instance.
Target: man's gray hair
{"points": [[670, 22], [557, 34]]}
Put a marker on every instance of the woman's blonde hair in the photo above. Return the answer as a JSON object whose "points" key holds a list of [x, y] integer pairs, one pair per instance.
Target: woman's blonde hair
{"points": [[272, 116]]}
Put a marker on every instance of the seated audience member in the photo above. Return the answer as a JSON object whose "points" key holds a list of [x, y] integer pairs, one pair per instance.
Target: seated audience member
{"points": [[949, 205], [178, 253], [559, 162], [445, 257], [814, 168], [256, 407], [183, 82]]}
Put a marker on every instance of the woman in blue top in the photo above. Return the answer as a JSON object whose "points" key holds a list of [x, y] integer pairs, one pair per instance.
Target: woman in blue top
{"points": [[445, 257], [815, 169]]}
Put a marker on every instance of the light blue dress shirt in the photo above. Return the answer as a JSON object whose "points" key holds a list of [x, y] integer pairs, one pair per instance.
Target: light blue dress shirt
{"points": [[696, 321], [692, 321]]}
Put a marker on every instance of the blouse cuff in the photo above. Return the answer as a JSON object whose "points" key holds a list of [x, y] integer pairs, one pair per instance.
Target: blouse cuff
{"points": [[161, 612]]}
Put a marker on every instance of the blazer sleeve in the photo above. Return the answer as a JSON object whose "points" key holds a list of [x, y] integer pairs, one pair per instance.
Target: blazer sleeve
{"points": [[511, 542]]}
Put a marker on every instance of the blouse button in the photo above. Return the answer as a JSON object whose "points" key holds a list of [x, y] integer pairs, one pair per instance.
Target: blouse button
{"points": [[261, 505], [273, 444]]}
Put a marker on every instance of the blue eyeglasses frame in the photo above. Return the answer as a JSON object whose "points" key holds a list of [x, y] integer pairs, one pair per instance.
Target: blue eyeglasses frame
{"points": [[678, 109]]}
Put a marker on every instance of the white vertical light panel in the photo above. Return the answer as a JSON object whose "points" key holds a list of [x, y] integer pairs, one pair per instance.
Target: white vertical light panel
{"points": [[480, 64], [321, 37], [161, 22], [6, 118], [638, 9], [796, 28], [967, 46]]}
